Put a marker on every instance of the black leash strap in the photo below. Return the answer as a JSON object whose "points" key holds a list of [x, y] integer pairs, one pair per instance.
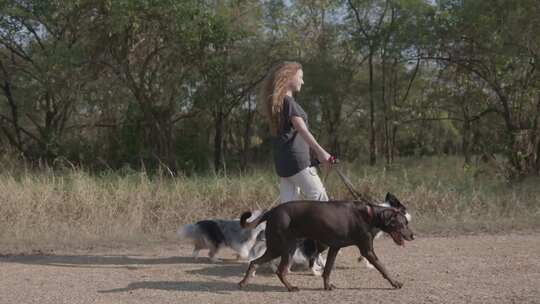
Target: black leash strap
{"points": [[348, 183]]}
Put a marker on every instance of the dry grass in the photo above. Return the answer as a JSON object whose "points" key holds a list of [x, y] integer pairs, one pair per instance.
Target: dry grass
{"points": [[74, 208]]}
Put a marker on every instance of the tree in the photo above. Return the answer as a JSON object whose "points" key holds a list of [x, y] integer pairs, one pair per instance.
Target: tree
{"points": [[232, 65], [369, 17], [496, 43], [154, 50], [42, 71]]}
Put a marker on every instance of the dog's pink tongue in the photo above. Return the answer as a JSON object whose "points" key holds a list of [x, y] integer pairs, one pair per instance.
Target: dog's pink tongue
{"points": [[401, 243]]}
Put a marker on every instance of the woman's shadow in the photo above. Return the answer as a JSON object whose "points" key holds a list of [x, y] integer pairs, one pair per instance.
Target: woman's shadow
{"points": [[214, 286], [105, 261]]}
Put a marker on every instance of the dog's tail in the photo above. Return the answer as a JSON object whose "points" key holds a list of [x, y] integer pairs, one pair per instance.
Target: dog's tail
{"points": [[250, 225], [189, 231]]}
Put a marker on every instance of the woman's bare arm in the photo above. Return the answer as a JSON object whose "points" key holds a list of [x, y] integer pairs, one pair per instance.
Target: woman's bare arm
{"points": [[302, 129]]}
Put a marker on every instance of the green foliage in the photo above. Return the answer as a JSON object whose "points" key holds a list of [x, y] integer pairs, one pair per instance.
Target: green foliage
{"points": [[167, 82], [194, 152]]}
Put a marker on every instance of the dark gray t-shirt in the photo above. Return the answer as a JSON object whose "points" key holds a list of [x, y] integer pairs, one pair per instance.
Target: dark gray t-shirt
{"points": [[290, 150]]}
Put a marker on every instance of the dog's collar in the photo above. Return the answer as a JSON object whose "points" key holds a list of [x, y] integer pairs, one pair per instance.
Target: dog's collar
{"points": [[369, 211]]}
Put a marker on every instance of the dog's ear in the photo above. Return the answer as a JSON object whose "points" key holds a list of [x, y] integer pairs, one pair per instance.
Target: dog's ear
{"points": [[390, 197], [393, 201]]}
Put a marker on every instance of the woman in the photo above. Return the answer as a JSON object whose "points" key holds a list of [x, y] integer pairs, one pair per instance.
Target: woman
{"points": [[291, 139]]}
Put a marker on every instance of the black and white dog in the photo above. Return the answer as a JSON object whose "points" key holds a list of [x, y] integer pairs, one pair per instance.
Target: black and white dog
{"points": [[309, 252], [216, 234]]}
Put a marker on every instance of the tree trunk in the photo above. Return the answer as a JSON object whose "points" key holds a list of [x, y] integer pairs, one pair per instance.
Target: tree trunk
{"points": [[167, 147], [466, 139], [372, 148], [247, 137], [332, 115], [465, 145], [537, 154], [15, 141], [524, 152], [393, 144], [386, 144], [219, 129]]}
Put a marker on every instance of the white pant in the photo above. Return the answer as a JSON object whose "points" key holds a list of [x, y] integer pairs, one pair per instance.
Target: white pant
{"points": [[307, 181]]}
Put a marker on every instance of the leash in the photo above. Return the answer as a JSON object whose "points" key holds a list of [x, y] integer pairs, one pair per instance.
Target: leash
{"points": [[335, 162], [348, 184]]}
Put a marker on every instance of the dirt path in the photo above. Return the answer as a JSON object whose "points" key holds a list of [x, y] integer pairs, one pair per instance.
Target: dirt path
{"points": [[464, 269]]}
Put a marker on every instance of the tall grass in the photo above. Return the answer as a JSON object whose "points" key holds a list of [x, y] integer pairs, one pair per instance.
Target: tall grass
{"points": [[73, 207]]}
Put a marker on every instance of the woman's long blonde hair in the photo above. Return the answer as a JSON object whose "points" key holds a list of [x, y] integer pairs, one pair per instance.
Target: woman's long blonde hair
{"points": [[273, 90]]}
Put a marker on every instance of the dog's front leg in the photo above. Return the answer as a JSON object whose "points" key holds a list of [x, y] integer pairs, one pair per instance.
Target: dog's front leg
{"points": [[330, 259], [372, 258]]}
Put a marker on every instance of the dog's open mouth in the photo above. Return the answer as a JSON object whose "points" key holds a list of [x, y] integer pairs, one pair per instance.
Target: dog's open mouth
{"points": [[396, 236]]}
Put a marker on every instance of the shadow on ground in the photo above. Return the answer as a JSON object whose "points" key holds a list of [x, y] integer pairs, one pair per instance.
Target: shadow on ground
{"points": [[111, 261], [227, 270], [219, 287]]}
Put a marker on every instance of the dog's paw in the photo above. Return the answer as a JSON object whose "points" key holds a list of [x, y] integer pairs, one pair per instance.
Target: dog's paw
{"points": [[316, 271], [242, 284], [369, 265], [396, 284], [329, 287], [293, 289]]}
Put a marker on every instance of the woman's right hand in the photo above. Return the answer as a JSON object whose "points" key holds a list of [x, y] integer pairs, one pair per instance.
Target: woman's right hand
{"points": [[325, 158]]}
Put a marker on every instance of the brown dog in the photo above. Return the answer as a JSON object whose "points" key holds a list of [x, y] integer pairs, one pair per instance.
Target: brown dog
{"points": [[336, 224]]}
